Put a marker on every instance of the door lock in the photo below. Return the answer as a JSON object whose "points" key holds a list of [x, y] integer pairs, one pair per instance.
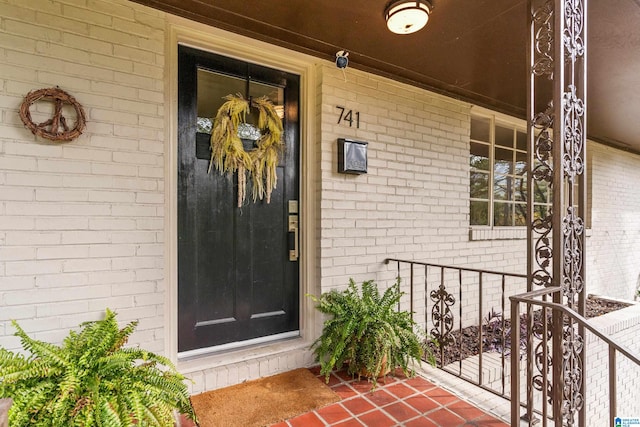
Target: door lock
{"points": [[293, 228], [294, 253]]}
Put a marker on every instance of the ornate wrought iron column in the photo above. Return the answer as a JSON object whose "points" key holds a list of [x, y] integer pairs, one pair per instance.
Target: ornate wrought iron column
{"points": [[540, 176], [557, 161]]}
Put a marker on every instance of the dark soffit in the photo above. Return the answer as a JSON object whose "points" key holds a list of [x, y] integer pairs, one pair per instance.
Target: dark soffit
{"points": [[473, 50]]}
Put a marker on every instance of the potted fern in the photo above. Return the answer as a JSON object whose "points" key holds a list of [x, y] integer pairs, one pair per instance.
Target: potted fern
{"points": [[91, 380], [366, 330]]}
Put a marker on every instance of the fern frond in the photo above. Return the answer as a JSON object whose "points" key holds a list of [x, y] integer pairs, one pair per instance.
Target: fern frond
{"points": [[91, 380], [366, 329], [40, 349], [107, 415]]}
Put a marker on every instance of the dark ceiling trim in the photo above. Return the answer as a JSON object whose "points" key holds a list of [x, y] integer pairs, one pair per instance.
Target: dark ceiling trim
{"points": [[326, 51], [236, 28], [238, 24], [469, 97]]}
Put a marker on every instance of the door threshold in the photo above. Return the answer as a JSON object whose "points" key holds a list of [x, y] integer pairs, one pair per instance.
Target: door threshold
{"points": [[236, 345]]}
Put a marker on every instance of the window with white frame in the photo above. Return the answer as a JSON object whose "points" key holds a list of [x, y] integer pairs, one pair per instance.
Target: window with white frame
{"points": [[498, 167]]}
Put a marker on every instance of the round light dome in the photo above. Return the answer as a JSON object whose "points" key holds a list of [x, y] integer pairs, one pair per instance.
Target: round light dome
{"points": [[406, 17]]}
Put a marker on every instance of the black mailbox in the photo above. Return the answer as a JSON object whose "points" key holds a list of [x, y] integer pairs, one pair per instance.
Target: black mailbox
{"points": [[352, 156]]}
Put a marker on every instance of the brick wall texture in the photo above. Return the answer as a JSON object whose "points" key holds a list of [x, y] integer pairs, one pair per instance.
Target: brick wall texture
{"points": [[413, 202], [613, 266], [623, 326], [82, 223]]}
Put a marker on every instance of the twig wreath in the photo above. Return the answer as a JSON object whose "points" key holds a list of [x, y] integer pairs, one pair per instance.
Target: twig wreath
{"points": [[228, 155], [50, 129]]}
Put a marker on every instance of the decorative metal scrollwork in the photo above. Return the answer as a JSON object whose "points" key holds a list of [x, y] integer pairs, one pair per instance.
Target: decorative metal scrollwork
{"points": [[572, 162], [559, 165], [542, 174], [572, 223], [543, 363], [442, 316], [572, 230], [572, 37], [542, 177], [543, 27], [572, 397], [542, 327]]}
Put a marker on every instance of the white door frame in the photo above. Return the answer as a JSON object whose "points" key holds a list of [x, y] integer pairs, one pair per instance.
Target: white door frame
{"points": [[181, 31]]}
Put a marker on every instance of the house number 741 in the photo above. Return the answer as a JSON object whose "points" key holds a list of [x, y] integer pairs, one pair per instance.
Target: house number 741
{"points": [[349, 116]]}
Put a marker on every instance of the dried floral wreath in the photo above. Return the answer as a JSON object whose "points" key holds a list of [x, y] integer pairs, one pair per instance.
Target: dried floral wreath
{"points": [[228, 155]]}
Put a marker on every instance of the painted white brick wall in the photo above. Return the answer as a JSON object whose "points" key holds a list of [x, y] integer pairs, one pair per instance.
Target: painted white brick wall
{"points": [[414, 201], [622, 326], [81, 223], [613, 260]]}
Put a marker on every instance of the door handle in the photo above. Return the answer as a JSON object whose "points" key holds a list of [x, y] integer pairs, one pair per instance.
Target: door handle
{"points": [[293, 228]]}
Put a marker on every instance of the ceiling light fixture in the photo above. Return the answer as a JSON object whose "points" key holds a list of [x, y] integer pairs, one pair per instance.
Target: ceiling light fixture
{"points": [[406, 17]]}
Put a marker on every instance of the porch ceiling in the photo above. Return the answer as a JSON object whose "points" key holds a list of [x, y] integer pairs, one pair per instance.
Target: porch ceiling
{"points": [[471, 50]]}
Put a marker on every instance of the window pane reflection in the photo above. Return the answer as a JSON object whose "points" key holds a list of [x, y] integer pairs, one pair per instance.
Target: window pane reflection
{"points": [[480, 129], [502, 214], [479, 156], [503, 161], [479, 184], [479, 213], [504, 137]]}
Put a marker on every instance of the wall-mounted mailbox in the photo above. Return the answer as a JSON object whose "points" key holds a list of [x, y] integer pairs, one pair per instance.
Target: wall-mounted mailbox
{"points": [[352, 156]]}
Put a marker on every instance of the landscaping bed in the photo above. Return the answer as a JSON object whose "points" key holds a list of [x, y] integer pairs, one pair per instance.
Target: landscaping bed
{"points": [[466, 342]]}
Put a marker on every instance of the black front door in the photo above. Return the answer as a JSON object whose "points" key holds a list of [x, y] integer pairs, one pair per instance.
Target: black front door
{"points": [[237, 273]]}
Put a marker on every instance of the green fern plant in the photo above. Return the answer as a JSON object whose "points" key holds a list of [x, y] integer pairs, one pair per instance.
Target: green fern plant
{"points": [[367, 331], [91, 380]]}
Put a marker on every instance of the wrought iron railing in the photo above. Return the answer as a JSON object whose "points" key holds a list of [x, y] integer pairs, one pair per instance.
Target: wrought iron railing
{"points": [[452, 303], [552, 320]]}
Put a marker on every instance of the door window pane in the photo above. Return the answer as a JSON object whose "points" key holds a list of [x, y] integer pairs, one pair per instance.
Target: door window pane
{"points": [[212, 88], [274, 93]]}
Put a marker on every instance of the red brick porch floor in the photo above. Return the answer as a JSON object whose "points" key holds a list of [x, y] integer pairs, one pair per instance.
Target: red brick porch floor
{"points": [[397, 401]]}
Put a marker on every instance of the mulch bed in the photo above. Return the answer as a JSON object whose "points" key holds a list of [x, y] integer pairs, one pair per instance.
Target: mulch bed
{"points": [[466, 340]]}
